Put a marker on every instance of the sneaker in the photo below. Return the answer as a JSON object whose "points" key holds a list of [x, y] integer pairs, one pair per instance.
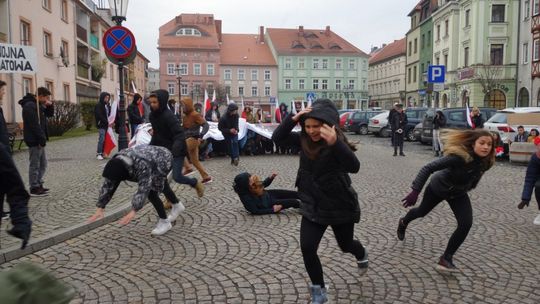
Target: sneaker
{"points": [[445, 265], [401, 154], [44, 189], [363, 263], [537, 220], [199, 187], [207, 180], [188, 172], [236, 161], [175, 211], [318, 294], [162, 227], [37, 192], [401, 230], [99, 157]]}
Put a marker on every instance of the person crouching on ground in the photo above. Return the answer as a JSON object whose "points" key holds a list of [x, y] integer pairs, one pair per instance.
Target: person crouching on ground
{"points": [[532, 181], [257, 200], [148, 166]]}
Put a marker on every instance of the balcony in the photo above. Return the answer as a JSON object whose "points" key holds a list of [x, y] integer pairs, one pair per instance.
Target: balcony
{"points": [[94, 41], [82, 33]]}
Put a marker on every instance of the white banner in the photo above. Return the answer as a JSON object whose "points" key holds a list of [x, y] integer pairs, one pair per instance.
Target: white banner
{"points": [[17, 59]]}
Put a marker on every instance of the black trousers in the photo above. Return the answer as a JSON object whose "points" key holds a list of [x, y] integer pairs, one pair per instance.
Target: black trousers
{"points": [[310, 236], [12, 187], [462, 209], [537, 193], [153, 197], [285, 198], [398, 141]]}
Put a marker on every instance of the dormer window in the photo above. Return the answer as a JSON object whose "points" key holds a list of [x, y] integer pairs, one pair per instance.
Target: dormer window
{"points": [[188, 31], [310, 35], [316, 45], [297, 45], [334, 46]]}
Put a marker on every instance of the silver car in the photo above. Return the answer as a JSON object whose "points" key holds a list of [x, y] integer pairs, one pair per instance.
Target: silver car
{"points": [[378, 124]]}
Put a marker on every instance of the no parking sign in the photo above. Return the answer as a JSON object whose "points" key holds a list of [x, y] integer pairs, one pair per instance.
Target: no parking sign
{"points": [[119, 44]]}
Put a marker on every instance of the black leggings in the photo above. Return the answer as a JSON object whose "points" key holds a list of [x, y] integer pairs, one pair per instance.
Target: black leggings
{"points": [[310, 236], [285, 198], [460, 205], [153, 197]]}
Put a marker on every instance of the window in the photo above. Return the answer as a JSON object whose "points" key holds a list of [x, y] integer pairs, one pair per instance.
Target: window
{"points": [[267, 75], [184, 89], [497, 12], [196, 69], [47, 44], [536, 7], [227, 74], [445, 59], [46, 4], [301, 84], [65, 50], [241, 74], [496, 54], [188, 32], [438, 32], [254, 74], [266, 91], [67, 92], [25, 33], [210, 69], [423, 41], [437, 60], [287, 63], [352, 64], [27, 85], [254, 91], [429, 38], [338, 64], [228, 90], [467, 17], [409, 75], [338, 84], [64, 11], [415, 45], [315, 63], [446, 27], [525, 53], [325, 84], [170, 87], [325, 64], [170, 68], [410, 48], [287, 84], [466, 57], [315, 84], [536, 50], [414, 74], [301, 63], [351, 84], [240, 91], [422, 67], [50, 86], [183, 68], [526, 9]]}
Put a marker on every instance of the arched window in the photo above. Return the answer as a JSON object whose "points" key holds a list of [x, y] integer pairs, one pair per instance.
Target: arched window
{"points": [[523, 98], [464, 98], [495, 99], [444, 101], [188, 31]]}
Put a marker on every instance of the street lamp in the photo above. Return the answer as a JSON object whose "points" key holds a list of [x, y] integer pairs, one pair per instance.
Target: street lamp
{"points": [[118, 11], [179, 77]]}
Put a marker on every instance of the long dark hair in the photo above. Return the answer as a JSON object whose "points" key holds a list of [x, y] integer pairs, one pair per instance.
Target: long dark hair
{"points": [[312, 149], [461, 143]]}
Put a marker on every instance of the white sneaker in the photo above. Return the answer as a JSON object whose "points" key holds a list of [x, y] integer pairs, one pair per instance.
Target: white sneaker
{"points": [[162, 227], [537, 220], [99, 157], [175, 211]]}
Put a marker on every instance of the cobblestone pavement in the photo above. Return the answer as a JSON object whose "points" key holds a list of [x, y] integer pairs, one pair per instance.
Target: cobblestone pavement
{"points": [[217, 253]]}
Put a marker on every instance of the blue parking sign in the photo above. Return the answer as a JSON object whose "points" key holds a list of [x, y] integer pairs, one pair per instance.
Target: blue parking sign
{"points": [[436, 73]]}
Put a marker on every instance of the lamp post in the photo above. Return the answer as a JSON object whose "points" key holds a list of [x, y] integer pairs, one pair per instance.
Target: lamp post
{"points": [[118, 11], [179, 78]]}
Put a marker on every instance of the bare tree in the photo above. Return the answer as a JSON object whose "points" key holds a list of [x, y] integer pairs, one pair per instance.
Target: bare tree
{"points": [[489, 77]]}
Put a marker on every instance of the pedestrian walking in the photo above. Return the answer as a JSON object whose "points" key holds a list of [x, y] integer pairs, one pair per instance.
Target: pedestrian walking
{"points": [[468, 154], [398, 124], [36, 134], [228, 125], [532, 181], [148, 166], [101, 114], [324, 186], [439, 122], [135, 113]]}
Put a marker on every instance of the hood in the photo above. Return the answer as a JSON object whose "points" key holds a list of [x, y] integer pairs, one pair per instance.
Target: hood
{"points": [[231, 107], [283, 106], [163, 98], [325, 111], [241, 183], [27, 98], [188, 105], [102, 97]]}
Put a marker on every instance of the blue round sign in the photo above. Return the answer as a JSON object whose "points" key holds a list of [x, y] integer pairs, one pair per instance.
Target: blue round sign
{"points": [[119, 42]]}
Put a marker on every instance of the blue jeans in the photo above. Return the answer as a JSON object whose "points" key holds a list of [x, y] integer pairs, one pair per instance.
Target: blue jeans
{"points": [[178, 165], [233, 146], [101, 141], [38, 166]]}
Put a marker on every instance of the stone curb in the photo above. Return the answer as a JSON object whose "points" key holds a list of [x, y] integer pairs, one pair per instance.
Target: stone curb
{"points": [[61, 235]]}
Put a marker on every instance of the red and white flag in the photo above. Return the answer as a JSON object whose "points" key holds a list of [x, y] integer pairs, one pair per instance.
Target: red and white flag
{"points": [[469, 121], [206, 104], [214, 96], [277, 112], [293, 107], [110, 139]]}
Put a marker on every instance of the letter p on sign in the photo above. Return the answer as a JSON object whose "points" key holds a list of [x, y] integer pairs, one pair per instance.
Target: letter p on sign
{"points": [[436, 73]]}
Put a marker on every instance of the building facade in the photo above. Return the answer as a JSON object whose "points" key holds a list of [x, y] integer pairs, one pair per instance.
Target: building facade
{"points": [[534, 56], [386, 81], [425, 89], [319, 63], [153, 80], [412, 87]]}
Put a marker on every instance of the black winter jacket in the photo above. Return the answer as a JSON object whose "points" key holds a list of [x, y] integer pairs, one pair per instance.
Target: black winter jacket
{"points": [[101, 110], [455, 176], [167, 131], [134, 115], [478, 121], [532, 178], [4, 136], [228, 121], [254, 204], [399, 121], [324, 186], [35, 130], [439, 121]]}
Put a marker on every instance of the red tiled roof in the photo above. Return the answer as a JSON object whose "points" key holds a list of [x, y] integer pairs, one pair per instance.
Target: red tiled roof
{"points": [[245, 49], [205, 23], [396, 48], [310, 41]]}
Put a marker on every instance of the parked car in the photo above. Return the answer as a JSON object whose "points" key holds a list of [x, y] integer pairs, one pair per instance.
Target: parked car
{"points": [[498, 122], [417, 132], [456, 118], [358, 121], [378, 124], [414, 116], [343, 119]]}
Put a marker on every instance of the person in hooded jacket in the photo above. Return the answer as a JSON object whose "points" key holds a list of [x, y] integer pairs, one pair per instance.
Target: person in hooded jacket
{"points": [[135, 113], [213, 113], [532, 181], [167, 132], [257, 200], [324, 186], [439, 122], [101, 114], [468, 154], [228, 125], [193, 121], [36, 135]]}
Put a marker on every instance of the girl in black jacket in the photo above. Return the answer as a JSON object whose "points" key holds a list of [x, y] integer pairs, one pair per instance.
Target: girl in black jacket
{"points": [[468, 154], [324, 186]]}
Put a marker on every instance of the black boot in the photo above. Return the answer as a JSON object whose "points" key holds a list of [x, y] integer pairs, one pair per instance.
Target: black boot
{"points": [[395, 151], [401, 229]]}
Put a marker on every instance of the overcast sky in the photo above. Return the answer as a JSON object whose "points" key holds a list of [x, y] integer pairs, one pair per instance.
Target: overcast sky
{"points": [[364, 23]]}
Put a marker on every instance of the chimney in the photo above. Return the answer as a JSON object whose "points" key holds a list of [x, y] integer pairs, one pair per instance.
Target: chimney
{"points": [[261, 34], [383, 45], [327, 32], [374, 49], [218, 29], [301, 30]]}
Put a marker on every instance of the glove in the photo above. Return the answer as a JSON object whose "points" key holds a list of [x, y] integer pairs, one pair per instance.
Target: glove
{"points": [[410, 199], [523, 204]]}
